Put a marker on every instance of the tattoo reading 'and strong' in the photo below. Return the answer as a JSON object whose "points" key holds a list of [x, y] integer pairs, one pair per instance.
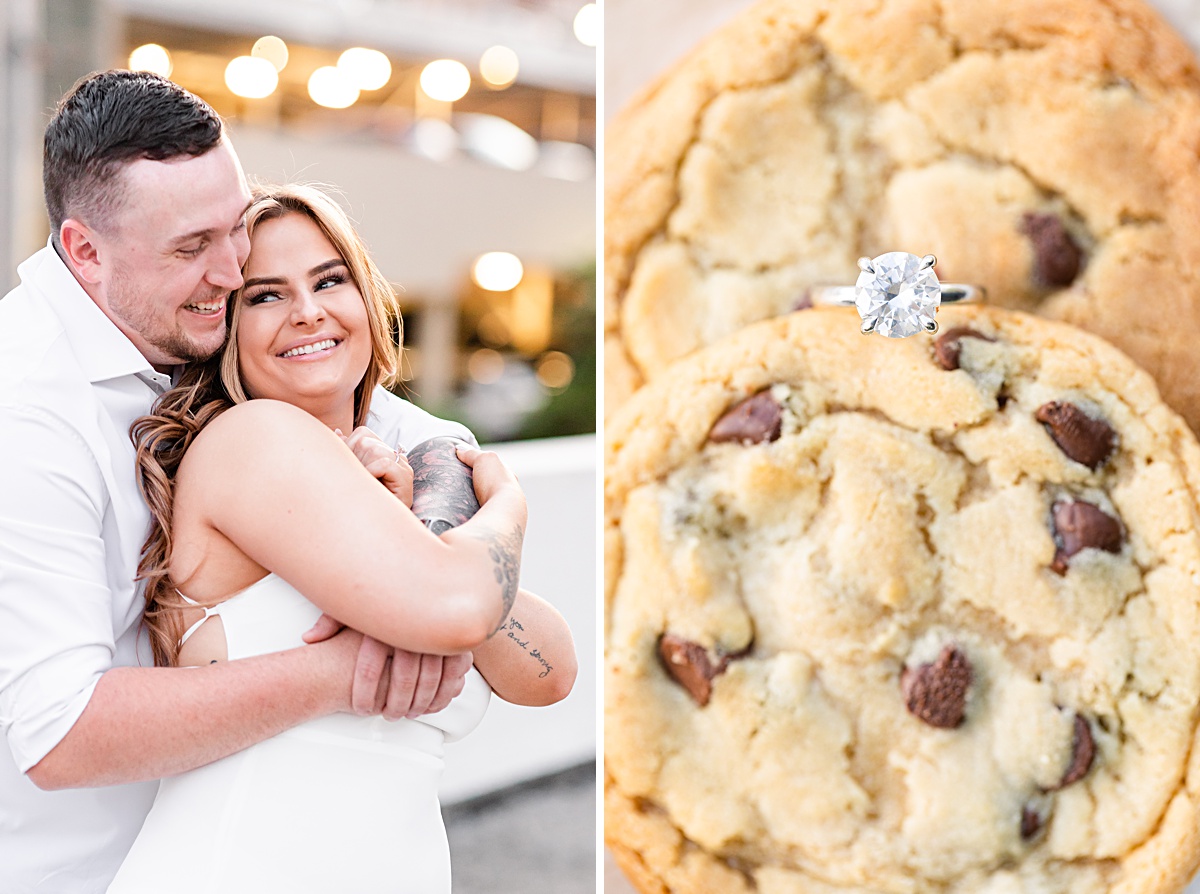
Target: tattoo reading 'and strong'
{"points": [[515, 631], [443, 493]]}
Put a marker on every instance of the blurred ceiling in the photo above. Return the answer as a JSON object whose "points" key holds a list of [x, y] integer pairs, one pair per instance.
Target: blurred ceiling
{"points": [[539, 31]]}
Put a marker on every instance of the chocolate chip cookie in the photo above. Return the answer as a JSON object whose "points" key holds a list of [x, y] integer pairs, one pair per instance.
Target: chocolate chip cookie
{"points": [[903, 615], [1047, 151]]}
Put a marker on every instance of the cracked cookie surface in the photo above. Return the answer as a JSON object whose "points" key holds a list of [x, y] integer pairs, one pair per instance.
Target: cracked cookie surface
{"points": [[1047, 151], [879, 623]]}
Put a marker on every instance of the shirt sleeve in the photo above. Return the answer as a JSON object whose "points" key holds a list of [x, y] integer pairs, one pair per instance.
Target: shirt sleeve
{"points": [[56, 625], [405, 425]]}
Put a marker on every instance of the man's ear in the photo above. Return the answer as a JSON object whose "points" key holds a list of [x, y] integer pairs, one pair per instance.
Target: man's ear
{"points": [[81, 249]]}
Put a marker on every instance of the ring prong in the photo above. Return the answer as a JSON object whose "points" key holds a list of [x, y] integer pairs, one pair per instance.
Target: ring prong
{"points": [[868, 327], [928, 261], [864, 264], [931, 327]]}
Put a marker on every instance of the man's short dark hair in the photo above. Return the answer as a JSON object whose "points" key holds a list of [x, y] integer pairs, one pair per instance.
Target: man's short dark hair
{"points": [[109, 119]]}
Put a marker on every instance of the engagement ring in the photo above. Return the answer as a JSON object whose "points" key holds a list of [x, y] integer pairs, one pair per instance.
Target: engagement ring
{"points": [[897, 294]]}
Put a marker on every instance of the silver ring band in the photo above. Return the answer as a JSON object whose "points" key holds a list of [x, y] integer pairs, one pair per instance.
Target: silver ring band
{"points": [[897, 294], [844, 296]]}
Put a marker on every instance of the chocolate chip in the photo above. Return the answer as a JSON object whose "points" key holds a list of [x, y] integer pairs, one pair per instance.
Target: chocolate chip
{"points": [[1083, 752], [1084, 439], [1031, 822], [937, 693], [804, 302], [690, 666], [1079, 525], [948, 345], [1056, 255], [757, 418]]}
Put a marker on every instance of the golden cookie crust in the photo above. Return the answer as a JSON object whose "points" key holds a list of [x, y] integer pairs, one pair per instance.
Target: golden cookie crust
{"points": [[807, 134], [901, 508]]}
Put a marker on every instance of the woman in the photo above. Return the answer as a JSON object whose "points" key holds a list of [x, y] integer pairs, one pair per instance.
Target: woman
{"points": [[265, 516]]}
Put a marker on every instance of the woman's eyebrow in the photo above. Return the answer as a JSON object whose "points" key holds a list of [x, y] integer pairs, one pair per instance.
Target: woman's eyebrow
{"points": [[269, 280], [327, 265]]}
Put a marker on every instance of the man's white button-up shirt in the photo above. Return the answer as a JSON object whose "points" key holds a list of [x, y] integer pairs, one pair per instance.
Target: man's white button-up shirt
{"points": [[71, 527], [72, 524]]}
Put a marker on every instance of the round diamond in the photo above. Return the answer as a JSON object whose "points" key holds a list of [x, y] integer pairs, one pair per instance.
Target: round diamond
{"points": [[897, 296]]}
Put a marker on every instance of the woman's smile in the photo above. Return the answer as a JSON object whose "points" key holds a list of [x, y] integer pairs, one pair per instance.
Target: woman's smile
{"points": [[311, 350]]}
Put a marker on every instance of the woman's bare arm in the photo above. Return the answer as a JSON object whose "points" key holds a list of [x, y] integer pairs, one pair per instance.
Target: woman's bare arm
{"points": [[531, 661], [284, 489]]}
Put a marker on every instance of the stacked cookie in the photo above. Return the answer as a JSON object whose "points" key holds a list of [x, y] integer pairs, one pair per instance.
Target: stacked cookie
{"points": [[903, 615], [922, 614], [1047, 151]]}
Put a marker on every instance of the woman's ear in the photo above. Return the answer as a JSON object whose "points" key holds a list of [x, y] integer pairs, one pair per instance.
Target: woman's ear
{"points": [[81, 250]]}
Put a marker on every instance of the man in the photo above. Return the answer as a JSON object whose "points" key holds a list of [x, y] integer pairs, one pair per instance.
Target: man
{"points": [[146, 200]]}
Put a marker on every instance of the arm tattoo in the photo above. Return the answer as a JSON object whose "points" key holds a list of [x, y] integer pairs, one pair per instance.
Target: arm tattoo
{"points": [[505, 550], [443, 495], [444, 498], [515, 631]]}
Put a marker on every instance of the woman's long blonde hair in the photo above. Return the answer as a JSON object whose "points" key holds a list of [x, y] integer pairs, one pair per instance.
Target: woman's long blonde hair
{"points": [[207, 389]]}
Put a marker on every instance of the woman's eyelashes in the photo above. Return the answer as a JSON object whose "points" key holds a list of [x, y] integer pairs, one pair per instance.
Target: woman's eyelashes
{"points": [[330, 280], [326, 281], [263, 297]]}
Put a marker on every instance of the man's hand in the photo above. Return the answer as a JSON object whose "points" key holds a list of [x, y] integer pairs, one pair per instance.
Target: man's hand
{"points": [[395, 682], [388, 465]]}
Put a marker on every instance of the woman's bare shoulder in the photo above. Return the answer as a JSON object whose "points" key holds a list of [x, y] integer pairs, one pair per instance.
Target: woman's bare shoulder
{"points": [[270, 419], [254, 428]]}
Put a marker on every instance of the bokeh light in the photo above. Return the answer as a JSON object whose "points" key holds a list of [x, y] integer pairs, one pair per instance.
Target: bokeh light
{"points": [[151, 57], [566, 161], [555, 370], [497, 140], [367, 69], [434, 138], [251, 78], [498, 66], [587, 25], [485, 366], [498, 271], [329, 87], [273, 49], [446, 80]]}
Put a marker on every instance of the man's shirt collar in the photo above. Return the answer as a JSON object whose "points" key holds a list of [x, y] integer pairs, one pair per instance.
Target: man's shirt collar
{"points": [[103, 350]]}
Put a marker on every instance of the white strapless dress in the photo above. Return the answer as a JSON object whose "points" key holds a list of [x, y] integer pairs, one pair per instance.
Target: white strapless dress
{"points": [[341, 804]]}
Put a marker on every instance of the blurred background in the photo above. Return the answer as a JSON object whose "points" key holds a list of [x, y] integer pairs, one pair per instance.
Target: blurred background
{"points": [[461, 137]]}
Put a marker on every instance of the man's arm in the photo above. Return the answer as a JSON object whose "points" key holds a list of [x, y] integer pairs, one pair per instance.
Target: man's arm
{"points": [[145, 723], [70, 718]]}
